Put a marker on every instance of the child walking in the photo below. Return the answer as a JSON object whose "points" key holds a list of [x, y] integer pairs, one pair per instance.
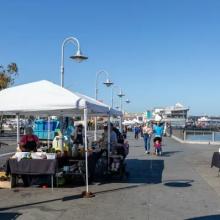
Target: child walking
{"points": [[158, 146]]}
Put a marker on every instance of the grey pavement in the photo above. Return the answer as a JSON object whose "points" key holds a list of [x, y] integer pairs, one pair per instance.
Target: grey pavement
{"points": [[178, 185], [10, 139]]}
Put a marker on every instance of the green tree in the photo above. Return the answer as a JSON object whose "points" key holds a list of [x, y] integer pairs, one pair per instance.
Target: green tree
{"points": [[7, 75]]}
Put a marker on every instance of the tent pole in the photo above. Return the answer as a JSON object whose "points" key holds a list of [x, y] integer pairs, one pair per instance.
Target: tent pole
{"points": [[86, 149], [48, 132], [86, 193], [18, 129], [61, 129], [109, 140], [95, 131], [121, 127]]}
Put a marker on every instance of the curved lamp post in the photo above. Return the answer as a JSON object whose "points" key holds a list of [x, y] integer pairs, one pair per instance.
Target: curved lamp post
{"points": [[108, 83], [128, 101], [78, 55], [120, 95]]}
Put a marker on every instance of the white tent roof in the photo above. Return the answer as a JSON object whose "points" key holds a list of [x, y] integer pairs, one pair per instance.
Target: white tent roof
{"points": [[129, 122], [46, 98], [92, 100]]}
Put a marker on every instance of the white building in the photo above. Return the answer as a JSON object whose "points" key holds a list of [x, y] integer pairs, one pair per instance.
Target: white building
{"points": [[175, 115]]}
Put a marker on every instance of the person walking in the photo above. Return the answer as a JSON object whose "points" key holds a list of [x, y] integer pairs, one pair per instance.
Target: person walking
{"points": [[158, 130], [147, 133], [136, 132]]}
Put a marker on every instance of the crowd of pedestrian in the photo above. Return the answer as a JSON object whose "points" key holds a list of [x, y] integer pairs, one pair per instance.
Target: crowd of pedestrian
{"points": [[147, 131]]}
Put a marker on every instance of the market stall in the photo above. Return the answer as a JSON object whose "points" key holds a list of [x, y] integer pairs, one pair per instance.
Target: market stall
{"points": [[44, 98]]}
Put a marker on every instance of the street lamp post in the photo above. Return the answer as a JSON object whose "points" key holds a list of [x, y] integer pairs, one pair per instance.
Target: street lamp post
{"points": [[128, 101], [108, 83], [113, 88], [78, 56], [120, 95]]}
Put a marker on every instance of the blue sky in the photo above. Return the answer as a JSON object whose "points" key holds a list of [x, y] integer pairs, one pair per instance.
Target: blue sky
{"points": [[159, 51]]}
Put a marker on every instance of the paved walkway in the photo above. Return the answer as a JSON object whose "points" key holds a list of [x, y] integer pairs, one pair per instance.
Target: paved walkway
{"points": [[178, 185]]}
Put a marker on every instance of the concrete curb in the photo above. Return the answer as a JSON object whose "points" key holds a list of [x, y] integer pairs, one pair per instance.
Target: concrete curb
{"points": [[195, 142]]}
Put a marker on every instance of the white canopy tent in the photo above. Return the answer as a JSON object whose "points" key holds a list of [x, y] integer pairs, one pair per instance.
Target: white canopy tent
{"points": [[44, 98], [128, 122]]}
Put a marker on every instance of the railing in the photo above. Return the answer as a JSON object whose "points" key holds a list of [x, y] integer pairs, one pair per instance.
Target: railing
{"points": [[201, 135]]}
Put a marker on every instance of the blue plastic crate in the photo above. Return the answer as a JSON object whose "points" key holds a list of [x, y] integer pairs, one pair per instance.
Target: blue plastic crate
{"points": [[53, 125], [39, 125], [44, 134]]}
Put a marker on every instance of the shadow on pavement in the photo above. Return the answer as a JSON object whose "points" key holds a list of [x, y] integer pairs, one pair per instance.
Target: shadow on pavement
{"points": [[179, 183], [67, 198], [208, 217], [138, 171], [117, 189], [141, 172], [138, 146], [145, 171], [9, 215], [64, 199], [169, 153]]}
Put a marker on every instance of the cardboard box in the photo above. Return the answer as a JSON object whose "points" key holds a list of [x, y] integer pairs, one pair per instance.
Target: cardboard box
{"points": [[5, 184]]}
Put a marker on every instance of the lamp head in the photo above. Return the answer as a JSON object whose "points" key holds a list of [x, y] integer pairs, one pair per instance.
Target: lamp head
{"points": [[121, 94], [79, 57], [108, 83], [128, 101]]}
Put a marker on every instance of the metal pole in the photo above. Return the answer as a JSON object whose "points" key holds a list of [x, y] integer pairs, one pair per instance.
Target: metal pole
{"points": [[109, 140], [48, 133], [112, 97], [114, 87], [86, 150], [96, 96], [184, 134], [18, 129], [62, 67], [61, 129], [213, 136], [75, 42], [121, 118]]}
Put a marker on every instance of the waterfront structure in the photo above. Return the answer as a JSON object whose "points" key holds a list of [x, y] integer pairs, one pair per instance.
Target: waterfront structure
{"points": [[175, 115], [136, 117], [205, 121]]}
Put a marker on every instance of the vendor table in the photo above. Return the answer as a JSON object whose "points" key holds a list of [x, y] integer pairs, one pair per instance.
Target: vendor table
{"points": [[216, 160], [32, 167], [78, 167]]}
